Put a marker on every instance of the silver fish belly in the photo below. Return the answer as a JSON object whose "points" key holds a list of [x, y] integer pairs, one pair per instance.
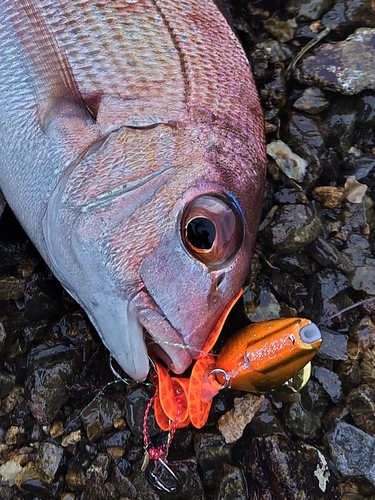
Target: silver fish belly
{"points": [[132, 152]]}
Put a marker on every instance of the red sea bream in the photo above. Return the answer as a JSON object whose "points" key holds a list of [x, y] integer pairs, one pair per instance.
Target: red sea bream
{"points": [[132, 152]]}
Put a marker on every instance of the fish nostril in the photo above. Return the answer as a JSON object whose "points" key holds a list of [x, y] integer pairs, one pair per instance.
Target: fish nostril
{"points": [[219, 280]]}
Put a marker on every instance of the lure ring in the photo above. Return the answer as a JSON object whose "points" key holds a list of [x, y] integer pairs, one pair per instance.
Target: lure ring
{"points": [[226, 376]]}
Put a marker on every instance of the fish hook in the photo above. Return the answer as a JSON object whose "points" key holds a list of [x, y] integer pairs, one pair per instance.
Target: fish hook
{"points": [[155, 472]]}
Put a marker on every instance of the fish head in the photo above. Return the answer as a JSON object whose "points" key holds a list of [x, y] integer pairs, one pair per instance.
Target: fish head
{"points": [[152, 231]]}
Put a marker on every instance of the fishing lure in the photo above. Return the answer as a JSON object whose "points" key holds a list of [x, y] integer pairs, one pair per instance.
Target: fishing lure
{"points": [[257, 358]]}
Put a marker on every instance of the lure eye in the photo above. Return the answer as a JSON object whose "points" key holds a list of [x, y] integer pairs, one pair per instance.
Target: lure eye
{"points": [[212, 229]]}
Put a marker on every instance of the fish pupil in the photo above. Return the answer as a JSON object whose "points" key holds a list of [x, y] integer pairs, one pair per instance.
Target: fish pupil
{"points": [[201, 233]]}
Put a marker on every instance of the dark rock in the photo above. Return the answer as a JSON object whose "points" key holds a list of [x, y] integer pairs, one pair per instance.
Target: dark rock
{"points": [[365, 110], [341, 121], [308, 10], [361, 404], [330, 382], [99, 417], [135, 407], [39, 302], [7, 382], [274, 88], [296, 128], [337, 66], [368, 367], [50, 371], [278, 467], [314, 398], [120, 478], [288, 290], [263, 306], [97, 472], [11, 288], [363, 333], [304, 424], [298, 264], [49, 459], [350, 374], [312, 101], [347, 15], [290, 195], [324, 300], [265, 422], [334, 345], [210, 450], [231, 484], [352, 451], [290, 227], [363, 278], [356, 250]]}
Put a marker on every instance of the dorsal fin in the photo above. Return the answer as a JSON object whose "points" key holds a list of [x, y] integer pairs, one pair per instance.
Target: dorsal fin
{"points": [[53, 81]]}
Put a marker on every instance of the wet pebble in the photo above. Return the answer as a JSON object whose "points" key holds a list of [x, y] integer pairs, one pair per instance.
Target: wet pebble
{"points": [[334, 346], [349, 373], [330, 382], [134, 409], [352, 451], [211, 450], [363, 333], [100, 416], [282, 30], [308, 10], [301, 422], [312, 101], [277, 468], [231, 484], [329, 196], [11, 288], [361, 404], [274, 88], [49, 459], [368, 367], [328, 255], [365, 110], [120, 479], [325, 288], [295, 128], [39, 300], [337, 66], [32, 480], [50, 370], [261, 306], [314, 398], [363, 278], [290, 227], [347, 15]]}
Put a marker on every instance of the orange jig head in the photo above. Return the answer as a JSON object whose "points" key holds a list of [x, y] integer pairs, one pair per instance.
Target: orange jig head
{"points": [[264, 355]]}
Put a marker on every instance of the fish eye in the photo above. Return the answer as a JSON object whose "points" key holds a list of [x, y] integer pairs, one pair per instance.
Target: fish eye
{"points": [[212, 229]]}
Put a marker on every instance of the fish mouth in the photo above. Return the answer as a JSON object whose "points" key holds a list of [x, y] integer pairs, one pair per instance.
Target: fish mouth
{"points": [[161, 337]]}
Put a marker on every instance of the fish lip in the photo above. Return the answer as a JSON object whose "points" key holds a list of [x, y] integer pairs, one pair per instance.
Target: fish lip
{"points": [[162, 333]]}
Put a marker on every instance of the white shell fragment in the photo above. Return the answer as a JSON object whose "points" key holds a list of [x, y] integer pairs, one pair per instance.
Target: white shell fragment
{"points": [[291, 164], [9, 471], [354, 190]]}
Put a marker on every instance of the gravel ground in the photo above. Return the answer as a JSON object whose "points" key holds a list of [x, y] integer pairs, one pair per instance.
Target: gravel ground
{"points": [[67, 433]]}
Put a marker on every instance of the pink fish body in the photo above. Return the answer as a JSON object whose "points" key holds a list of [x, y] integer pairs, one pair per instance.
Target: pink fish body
{"points": [[132, 152]]}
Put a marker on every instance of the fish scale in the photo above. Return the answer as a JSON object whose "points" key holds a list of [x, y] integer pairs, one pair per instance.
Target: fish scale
{"points": [[118, 119]]}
